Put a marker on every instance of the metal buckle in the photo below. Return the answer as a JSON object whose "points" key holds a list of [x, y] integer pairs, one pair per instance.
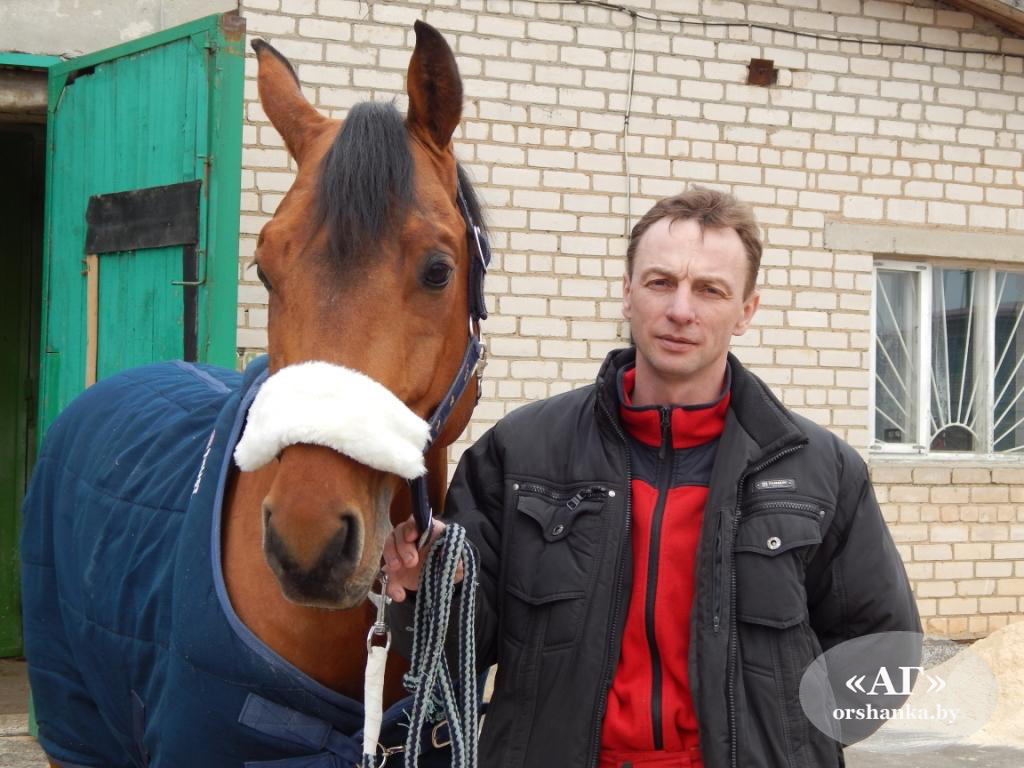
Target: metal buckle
{"points": [[386, 752], [481, 362], [478, 371], [433, 735], [380, 628]]}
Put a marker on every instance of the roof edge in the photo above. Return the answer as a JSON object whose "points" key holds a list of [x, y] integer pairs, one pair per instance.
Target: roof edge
{"points": [[1009, 14]]}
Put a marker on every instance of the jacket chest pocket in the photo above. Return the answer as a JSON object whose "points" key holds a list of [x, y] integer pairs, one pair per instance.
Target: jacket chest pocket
{"points": [[772, 546], [557, 539]]}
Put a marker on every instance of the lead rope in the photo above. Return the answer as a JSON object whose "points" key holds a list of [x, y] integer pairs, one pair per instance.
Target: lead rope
{"points": [[373, 685], [435, 694], [429, 677]]}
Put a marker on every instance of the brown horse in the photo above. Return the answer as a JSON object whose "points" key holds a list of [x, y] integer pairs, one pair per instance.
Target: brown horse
{"points": [[375, 281], [175, 612]]}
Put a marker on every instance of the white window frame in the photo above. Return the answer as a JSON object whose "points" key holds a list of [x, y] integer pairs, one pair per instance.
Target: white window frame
{"points": [[919, 447]]}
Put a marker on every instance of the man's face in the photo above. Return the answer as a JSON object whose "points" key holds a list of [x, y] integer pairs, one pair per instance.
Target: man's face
{"points": [[684, 299]]}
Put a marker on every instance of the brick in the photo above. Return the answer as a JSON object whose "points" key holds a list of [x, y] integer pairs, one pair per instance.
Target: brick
{"points": [[928, 589], [327, 30], [512, 347], [976, 587], [948, 534], [1008, 586], [954, 570], [522, 369], [807, 319], [251, 338], [949, 494], [987, 216], [1009, 475], [518, 305], [947, 213], [1000, 157], [1008, 551], [971, 476], [933, 475], [980, 532], [908, 494], [727, 113], [953, 606], [857, 207], [993, 494], [269, 24], [998, 604]]}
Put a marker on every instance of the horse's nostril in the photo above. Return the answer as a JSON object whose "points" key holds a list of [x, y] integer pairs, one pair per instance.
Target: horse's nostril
{"points": [[348, 536]]}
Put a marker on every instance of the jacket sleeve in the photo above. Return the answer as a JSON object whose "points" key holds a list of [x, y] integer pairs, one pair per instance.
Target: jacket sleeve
{"points": [[474, 501], [860, 585]]}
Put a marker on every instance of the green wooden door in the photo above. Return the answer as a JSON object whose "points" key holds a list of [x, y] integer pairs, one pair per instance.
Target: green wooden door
{"points": [[159, 111]]}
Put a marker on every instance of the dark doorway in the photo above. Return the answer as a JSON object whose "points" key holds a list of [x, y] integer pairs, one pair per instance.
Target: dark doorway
{"points": [[22, 160]]}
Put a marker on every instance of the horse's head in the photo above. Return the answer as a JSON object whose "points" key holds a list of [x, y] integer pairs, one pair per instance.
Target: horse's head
{"points": [[367, 266]]}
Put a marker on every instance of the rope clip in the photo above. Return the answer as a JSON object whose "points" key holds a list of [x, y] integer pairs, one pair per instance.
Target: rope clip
{"points": [[380, 628]]}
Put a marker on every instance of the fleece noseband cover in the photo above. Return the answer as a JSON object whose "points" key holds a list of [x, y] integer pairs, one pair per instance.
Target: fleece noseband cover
{"points": [[338, 408]]}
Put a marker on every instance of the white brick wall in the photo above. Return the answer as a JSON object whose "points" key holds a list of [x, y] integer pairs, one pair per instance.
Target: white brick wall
{"points": [[857, 131]]}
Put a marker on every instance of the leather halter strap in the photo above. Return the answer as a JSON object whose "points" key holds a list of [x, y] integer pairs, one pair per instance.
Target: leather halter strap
{"points": [[473, 360]]}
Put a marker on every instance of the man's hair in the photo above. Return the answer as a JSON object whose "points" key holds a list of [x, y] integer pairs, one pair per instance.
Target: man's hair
{"points": [[711, 209]]}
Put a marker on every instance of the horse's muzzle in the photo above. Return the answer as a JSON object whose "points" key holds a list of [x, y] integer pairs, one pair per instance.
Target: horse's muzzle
{"points": [[326, 582]]}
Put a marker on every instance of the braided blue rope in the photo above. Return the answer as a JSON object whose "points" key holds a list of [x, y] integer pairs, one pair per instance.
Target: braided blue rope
{"points": [[436, 694]]}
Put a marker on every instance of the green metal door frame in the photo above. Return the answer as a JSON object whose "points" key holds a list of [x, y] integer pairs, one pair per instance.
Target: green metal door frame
{"points": [[27, 60], [218, 164]]}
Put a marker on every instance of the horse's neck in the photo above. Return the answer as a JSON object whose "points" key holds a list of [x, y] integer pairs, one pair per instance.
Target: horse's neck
{"points": [[329, 646]]}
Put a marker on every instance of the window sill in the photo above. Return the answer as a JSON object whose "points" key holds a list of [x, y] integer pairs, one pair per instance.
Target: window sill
{"points": [[876, 456]]}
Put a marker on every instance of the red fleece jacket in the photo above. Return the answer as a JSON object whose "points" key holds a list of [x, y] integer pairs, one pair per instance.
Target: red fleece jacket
{"points": [[650, 708]]}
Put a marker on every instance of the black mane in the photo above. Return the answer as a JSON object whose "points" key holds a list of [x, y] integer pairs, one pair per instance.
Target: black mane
{"points": [[366, 184]]}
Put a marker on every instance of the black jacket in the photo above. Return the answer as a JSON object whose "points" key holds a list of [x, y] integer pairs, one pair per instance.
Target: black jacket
{"points": [[794, 557]]}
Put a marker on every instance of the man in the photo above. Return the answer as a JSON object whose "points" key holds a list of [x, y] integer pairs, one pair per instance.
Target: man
{"points": [[663, 553]]}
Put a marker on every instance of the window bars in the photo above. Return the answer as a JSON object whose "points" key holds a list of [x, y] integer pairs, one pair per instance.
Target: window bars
{"points": [[948, 359]]}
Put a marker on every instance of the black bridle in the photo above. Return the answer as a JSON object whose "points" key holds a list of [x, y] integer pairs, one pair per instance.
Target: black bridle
{"points": [[473, 360]]}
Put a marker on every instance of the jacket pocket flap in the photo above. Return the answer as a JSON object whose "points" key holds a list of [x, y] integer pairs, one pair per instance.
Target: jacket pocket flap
{"points": [[775, 533], [556, 518], [544, 599]]}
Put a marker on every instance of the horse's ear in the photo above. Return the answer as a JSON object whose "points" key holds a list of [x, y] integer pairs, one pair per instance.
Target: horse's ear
{"points": [[434, 86], [294, 118]]}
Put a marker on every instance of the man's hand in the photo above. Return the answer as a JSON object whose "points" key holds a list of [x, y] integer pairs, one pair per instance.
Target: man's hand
{"points": [[403, 561]]}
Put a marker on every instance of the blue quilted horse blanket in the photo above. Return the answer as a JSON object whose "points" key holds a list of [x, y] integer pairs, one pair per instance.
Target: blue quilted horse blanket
{"points": [[136, 657]]}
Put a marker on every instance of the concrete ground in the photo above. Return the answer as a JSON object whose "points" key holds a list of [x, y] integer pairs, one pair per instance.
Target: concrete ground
{"points": [[19, 750]]}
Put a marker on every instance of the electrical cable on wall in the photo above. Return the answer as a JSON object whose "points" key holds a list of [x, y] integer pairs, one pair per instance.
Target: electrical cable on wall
{"points": [[682, 21], [625, 135]]}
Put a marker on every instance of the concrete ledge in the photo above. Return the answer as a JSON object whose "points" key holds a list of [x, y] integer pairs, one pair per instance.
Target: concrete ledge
{"points": [[888, 239], [14, 725]]}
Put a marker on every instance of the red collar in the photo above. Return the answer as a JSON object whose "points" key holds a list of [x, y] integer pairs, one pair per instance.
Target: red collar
{"points": [[691, 424]]}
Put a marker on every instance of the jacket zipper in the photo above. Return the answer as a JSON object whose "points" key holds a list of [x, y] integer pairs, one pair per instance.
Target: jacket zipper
{"points": [[813, 510], [733, 629], [602, 702], [571, 500], [665, 477], [716, 581]]}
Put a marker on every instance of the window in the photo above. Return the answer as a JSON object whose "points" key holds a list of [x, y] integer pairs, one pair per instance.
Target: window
{"points": [[948, 359]]}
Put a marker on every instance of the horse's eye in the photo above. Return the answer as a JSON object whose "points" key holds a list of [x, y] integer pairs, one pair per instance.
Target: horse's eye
{"points": [[437, 274], [262, 277]]}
